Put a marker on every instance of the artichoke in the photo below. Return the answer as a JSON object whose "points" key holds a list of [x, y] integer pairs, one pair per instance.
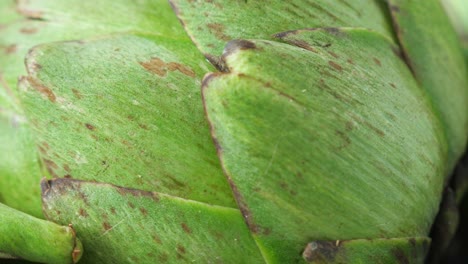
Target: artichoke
{"points": [[255, 132]]}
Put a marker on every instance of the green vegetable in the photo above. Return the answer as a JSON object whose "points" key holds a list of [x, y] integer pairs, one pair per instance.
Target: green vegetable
{"points": [[274, 132]]}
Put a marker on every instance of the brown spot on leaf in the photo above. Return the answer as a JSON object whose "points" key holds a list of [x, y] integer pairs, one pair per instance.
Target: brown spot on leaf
{"points": [[11, 49], [106, 226], [28, 30], [243, 207], [157, 239], [83, 212], [51, 167], [174, 66], [29, 13], [186, 228], [321, 251], [180, 249], [131, 205], [333, 54], [138, 193], [236, 45], [218, 30], [377, 61], [143, 126], [400, 256], [266, 231], [392, 85], [76, 93], [350, 61], [335, 65], [42, 89], [302, 44], [89, 126], [159, 67], [143, 211], [66, 168], [113, 210]]}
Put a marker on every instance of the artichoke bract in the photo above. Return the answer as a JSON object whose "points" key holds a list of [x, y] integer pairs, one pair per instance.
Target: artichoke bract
{"points": [[227, 131]]}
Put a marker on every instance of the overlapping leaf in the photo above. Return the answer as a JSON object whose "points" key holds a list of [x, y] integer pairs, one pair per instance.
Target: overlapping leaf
{"points": [[315, 137]]}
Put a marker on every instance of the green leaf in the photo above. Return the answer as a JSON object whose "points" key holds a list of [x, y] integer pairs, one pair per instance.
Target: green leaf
{"points": [[121, 225], [125, 110], [29, 238], [433, 52], [211, 24], [330, 140], [25, 24]]}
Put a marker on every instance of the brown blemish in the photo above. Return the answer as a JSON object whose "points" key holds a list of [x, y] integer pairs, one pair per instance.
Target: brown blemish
{"points": [[90, 127], [266, 231], [42, 89], [180, 249], [174, 66], [68, 176], [143, 126], [157, 239], [143, 211], [83, 212], [106, 226], [333, 30], [209, 77], [237, 44], [11, 49], [333, 54], [302, 44], [377, 61], [28, 30], [131, 205], [392, 85], [186, 228], [113, 210], [350, 61], [31, 14], [138, 193], [400, 256], [76, 254], [218, 31], [175, 182], [243, 207], [66, 168], [335, 65], [321, 251], [159, 67], [369, 125], [77, 93], [51, 167]]}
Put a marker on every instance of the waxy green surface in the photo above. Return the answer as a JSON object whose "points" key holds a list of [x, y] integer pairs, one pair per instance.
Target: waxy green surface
{"points": [[211, 24], [295, 124], [335, 109], [25, 24], [121, 225], [432, 49], [125, 110], [37, 240]]}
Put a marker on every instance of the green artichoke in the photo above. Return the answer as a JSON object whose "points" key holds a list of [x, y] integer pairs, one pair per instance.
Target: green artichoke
{"points": [[255, 132]]}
